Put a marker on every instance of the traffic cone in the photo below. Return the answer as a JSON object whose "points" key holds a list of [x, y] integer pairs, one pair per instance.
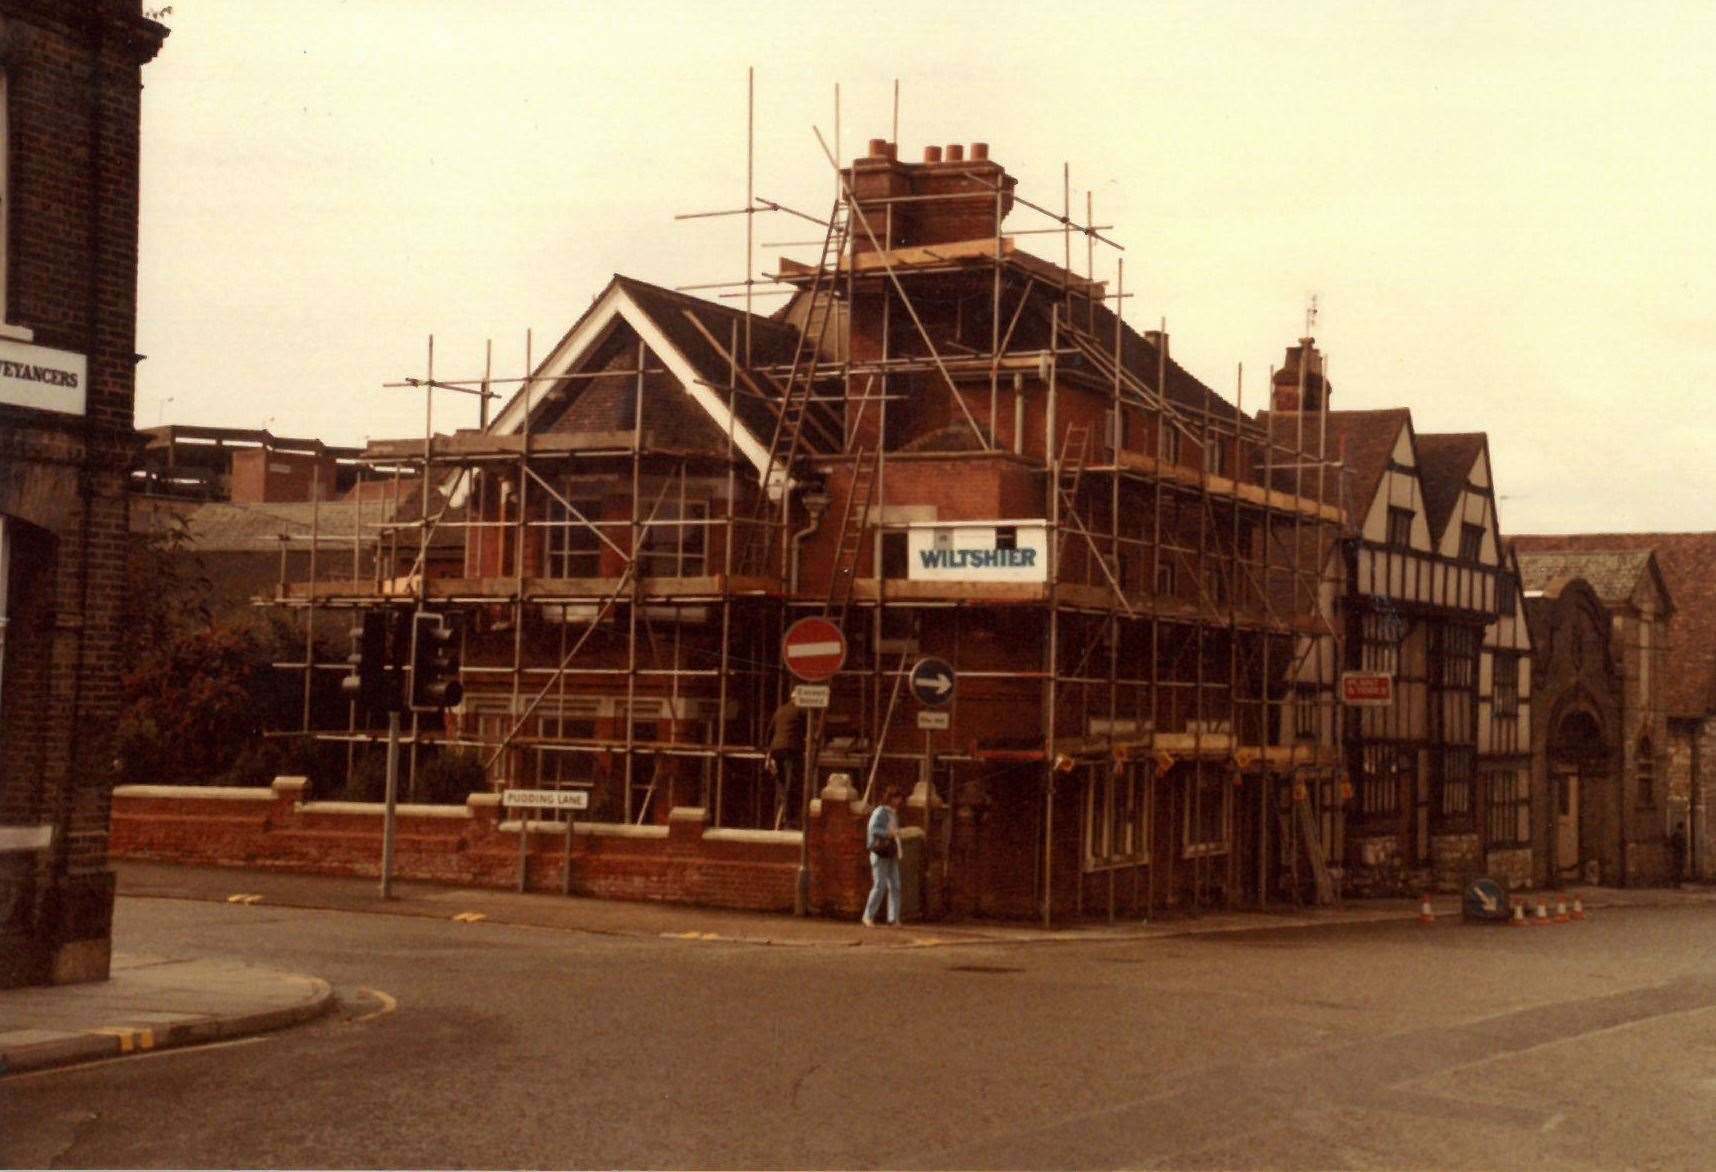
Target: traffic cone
{"points": [[1518, 920], [1541, 919], [1426, 913], [1578, 912], [1561, 910]]}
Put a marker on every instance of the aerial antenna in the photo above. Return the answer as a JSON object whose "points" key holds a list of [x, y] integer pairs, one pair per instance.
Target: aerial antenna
{"points": [[1311, 316]]}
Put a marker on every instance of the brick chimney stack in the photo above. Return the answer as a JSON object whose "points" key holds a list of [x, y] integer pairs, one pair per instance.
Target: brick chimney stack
{"points": [[1284, 394], [959, 186]]}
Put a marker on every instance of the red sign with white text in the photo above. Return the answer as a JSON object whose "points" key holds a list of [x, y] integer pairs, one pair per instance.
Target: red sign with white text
{"points": [[1367, 689]]}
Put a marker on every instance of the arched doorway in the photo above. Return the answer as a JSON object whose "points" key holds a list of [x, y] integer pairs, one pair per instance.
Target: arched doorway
{"points": [[1578, 758]]}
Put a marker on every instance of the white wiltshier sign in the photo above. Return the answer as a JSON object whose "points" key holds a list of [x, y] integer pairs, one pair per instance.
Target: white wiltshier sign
{"points": [[978, 551], [48, 380], [547, 799]]}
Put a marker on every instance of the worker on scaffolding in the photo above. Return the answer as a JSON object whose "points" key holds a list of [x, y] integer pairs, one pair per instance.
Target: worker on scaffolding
{"points": [[786, 747]]}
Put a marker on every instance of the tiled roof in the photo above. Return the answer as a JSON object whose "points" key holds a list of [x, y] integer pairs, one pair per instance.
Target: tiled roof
{"points": [[1687, 562], [1444, 464], [772, 342], [1613, 574], [671, 416], [227, 527], [1140, 356], [1365, 440]]}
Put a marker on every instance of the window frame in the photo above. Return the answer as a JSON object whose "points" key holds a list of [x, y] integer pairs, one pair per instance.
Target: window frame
{"points": [[1399, 527], [1117, 818], [1207, 780], [667, 538], [563, 529], [1471, 542], [1507, 817]]}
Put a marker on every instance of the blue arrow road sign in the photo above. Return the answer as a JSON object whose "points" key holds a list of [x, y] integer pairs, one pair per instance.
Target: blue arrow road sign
{"points": [[932, 682]]}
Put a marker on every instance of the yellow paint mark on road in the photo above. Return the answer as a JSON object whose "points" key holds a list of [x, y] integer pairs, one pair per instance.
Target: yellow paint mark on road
{"points": [[470, 917], [388, 1005], [694, 935], [247, 900], [129, 1038], [49, 1072]]}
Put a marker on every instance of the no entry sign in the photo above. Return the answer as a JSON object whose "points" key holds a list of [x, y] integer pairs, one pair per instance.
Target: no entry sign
{"points": [[814, 649]]}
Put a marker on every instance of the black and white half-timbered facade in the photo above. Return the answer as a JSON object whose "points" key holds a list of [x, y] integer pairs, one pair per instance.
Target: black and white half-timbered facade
{"points": [[1434, 668]]}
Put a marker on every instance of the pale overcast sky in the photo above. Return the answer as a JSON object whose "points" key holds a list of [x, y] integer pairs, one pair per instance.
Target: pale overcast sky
{"points": [[1505, 210]]}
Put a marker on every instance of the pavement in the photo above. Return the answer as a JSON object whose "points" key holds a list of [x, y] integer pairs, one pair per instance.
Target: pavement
{"points": [[153, 1002]]}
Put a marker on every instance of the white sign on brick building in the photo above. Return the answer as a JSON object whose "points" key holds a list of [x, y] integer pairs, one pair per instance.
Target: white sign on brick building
{"points": [[988, 551], [43, 378]]}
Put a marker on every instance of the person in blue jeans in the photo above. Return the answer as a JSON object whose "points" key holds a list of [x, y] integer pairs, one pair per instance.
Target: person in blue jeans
{"points": [[884, 833]]}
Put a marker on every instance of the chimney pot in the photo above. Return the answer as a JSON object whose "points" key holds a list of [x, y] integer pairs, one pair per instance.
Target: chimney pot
{"points": [[956, 153], [932, 154], [979, 151], [893, 150], [878, 148]]}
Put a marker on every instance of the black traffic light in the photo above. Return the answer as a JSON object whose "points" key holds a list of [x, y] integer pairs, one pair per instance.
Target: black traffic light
{"points": [[371, 682], [434, 663]]}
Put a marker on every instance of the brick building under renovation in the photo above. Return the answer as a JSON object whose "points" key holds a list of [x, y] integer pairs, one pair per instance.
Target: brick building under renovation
{"points": [[949, 447]]}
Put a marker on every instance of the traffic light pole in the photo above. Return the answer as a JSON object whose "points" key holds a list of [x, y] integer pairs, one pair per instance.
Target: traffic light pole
{"points": [[392, 798]]}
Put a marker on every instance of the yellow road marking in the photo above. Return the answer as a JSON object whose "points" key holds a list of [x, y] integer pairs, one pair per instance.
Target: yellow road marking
{"points": [[470, 917], [245, 899], [388, 1005], [183, 1050], [129, 1038]]}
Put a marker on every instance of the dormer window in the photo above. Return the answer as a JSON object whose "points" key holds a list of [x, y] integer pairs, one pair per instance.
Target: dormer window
{"points": [[1471, 542], [1400, 528]]}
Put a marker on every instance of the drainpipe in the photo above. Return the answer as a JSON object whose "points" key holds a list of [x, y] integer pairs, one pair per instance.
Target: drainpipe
{"points": [[815, 503]]}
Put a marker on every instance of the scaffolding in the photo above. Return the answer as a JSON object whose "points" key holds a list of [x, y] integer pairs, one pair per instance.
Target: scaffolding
{"points": [[1180, 653]]}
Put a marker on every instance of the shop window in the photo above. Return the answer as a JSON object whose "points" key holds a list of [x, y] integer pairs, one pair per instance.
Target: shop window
{"points": [[1117, 819], [1455, 781], [1208, 800], [1379, 787], [1508, 823]]}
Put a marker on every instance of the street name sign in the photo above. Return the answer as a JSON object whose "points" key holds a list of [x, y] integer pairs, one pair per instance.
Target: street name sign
{"points": [[932, 682], [810, 695], [813, 649], [546, 799]]}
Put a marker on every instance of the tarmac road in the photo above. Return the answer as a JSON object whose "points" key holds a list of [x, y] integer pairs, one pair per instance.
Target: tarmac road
{"points": [[489, 1045]]}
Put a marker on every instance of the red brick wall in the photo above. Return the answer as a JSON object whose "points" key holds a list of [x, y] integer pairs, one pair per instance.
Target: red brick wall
{"points": [[74, 80], [273, 829], [260, 475]]}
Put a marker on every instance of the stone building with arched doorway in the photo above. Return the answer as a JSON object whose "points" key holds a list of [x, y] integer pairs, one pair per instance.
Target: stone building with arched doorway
{"points": [[1598, 623]]}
